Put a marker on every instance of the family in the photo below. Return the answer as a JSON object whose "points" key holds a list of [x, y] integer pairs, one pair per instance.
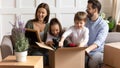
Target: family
{"points": [[89, 30]]}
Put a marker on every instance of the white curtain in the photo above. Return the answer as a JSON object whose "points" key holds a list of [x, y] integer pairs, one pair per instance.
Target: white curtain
{"points": [[116, 10]]}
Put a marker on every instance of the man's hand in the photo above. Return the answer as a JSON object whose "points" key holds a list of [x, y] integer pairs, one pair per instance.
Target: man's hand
{"points": [[91, 47], [87, 50]]}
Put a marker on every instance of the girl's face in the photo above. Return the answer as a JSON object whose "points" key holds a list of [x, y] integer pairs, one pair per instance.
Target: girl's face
{"points": [[55, 30], [41, 14], [79, 24]]}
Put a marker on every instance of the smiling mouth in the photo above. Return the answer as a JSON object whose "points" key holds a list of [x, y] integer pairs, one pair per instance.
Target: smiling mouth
{"points": [[40, 17]]}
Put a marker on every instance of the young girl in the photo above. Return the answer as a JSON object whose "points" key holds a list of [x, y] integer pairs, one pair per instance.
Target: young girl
{"points": [[55, 32], [78, 33]]}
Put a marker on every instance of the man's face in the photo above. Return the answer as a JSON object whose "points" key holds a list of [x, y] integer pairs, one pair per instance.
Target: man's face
{"points": [[90, 10]]}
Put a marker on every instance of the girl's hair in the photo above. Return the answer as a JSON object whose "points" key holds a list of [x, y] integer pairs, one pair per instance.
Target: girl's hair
{"points": [[55, 21], [45, 6], [80, 16]]}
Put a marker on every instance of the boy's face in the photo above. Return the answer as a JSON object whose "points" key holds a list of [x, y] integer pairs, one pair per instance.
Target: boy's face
{"points": [[55, 29], [79, 24]]}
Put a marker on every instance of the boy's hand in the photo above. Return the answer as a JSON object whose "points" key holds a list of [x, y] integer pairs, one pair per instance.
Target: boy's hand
{"points": [[60, 44]]}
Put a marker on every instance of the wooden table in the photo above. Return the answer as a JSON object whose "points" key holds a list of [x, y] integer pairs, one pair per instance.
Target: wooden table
{"points": [[32, 62]]}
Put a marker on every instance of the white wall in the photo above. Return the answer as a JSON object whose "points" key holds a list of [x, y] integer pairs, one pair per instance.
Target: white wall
{"points": [[106, 7], [64, 10]]}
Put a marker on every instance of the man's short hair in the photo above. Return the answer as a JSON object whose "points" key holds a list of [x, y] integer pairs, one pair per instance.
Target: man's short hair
{"points": [[95, 4]]}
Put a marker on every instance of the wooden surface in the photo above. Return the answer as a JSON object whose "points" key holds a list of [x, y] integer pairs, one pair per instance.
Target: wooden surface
{"points": [[32, 62]]}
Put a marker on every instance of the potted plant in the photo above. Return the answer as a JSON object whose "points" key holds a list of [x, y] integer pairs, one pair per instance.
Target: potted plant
{"points": [[111, 24], [21, 43], [110, 21]]}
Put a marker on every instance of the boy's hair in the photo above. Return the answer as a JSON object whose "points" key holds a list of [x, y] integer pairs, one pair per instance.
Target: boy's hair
{"points": [[54, 21], [95, 4], [80, 16]]}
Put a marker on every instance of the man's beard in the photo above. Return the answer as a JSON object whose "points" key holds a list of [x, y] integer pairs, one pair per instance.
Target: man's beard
{"points": [[90, 15]]}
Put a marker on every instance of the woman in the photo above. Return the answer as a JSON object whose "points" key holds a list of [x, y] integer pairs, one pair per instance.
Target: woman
{"points": [[40, 24]]}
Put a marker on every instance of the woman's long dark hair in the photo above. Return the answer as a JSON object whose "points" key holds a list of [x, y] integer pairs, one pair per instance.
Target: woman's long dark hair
{"points": [[45, 6]]}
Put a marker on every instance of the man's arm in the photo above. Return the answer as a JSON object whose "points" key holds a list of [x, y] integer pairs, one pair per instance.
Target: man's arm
{"points": [[100, 38], [91, 47]]}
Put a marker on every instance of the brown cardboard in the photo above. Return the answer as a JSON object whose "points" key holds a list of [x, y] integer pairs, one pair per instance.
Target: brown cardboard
{"points": [[42, 45], [69, 57], [32, 34], [112, 54]]}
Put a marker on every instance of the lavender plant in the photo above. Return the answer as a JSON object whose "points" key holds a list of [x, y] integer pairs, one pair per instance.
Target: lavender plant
{"points": [[18, 36]]}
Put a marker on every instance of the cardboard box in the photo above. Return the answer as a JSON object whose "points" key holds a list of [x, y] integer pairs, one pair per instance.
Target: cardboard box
{"points": [[69, 57], [112, 54], [32, 35]]}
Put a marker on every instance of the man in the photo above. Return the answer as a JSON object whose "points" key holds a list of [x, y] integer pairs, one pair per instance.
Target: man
{"points": [[98, 30]]}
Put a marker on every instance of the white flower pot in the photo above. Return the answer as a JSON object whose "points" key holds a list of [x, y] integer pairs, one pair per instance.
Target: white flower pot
{"points": [[21, 56]]}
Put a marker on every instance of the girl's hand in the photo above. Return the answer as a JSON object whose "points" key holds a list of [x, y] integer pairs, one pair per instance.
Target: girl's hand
{"points": [[60, 44], [49, 43]]}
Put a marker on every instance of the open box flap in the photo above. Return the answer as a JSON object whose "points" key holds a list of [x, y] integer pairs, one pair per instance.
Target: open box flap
{"points": [[33, 35], [42, 45]]}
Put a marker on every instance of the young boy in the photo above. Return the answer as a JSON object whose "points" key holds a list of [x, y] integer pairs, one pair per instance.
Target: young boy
{"points": [[77, 33]]}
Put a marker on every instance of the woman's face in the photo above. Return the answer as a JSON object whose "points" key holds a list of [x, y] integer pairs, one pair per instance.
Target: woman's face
{"points": [[41, 14], [55, 30]]}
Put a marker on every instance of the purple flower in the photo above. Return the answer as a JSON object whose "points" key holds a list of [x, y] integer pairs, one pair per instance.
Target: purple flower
{"points": [[18, 32]]}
